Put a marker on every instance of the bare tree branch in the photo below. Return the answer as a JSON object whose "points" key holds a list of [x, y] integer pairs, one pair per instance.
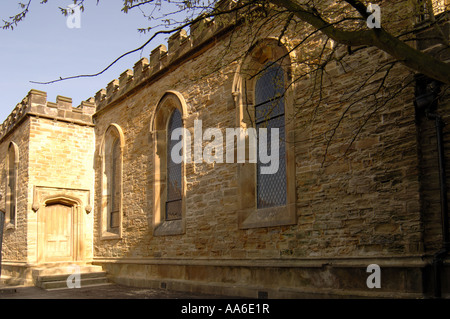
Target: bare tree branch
{"points": [[14, 20], [173, 30], [412, 58]]}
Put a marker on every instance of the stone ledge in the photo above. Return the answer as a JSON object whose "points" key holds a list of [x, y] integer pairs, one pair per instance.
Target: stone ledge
{"points": [[392, 262], [401, 280]]}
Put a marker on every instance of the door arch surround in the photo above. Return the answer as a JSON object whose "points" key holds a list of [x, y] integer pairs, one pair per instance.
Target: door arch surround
{"points": [[60, 230]]}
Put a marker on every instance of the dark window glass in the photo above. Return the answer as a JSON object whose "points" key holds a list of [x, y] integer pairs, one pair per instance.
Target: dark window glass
{"points": [[174, 188], [11, 196], [269, 113], [115, 184]]}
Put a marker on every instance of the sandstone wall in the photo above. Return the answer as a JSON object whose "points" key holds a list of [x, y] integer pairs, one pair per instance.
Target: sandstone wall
{"points": [[365, 170], [55, 148], [61, 165], [15, 237], [428, 148], [362, 203]]}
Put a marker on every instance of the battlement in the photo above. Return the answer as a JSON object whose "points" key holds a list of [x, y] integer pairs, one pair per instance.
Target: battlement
{"points": [[179, 44], [36, 104]]}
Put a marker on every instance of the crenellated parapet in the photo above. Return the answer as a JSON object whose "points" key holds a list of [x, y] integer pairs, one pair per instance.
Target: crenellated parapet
{"points": [[36, 104], [179, 44]]}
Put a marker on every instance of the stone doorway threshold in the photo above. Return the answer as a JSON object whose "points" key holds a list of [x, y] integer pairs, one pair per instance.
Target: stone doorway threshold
{"points": [[69, 276]]}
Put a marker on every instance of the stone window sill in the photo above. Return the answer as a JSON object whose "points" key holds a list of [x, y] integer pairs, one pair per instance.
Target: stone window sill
{"points": [[169, 227], [109, 235], [268, 217]]}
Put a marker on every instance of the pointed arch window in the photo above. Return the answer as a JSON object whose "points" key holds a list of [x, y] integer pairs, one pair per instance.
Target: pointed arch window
{"points": [[115, 184], [112, 158], [11, 185], [263, 96], [269, 113], [174, 189], [169, 188]]}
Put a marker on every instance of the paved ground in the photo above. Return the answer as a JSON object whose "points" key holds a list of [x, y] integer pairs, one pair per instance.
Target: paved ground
{"points": [[111, 291]]}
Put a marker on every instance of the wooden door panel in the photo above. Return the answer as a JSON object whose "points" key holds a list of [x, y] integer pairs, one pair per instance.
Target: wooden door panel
{"points": [[58, 243]]}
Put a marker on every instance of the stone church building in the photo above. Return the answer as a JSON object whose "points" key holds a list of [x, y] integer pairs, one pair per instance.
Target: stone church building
{"points": [[358, 182]]}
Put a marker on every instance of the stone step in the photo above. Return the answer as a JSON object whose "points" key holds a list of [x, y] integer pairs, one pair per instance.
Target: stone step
{"points": [[66, 269], [62, 284], [55, 276], [62, 277]]}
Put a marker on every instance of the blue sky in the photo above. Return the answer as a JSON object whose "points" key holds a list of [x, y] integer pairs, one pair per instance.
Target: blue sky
{"points": [[42, 48]]}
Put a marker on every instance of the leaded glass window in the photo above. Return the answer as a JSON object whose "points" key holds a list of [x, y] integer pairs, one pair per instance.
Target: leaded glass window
{"points": [[12, 184], [115, 184], [174, 188], [269, 113]]}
